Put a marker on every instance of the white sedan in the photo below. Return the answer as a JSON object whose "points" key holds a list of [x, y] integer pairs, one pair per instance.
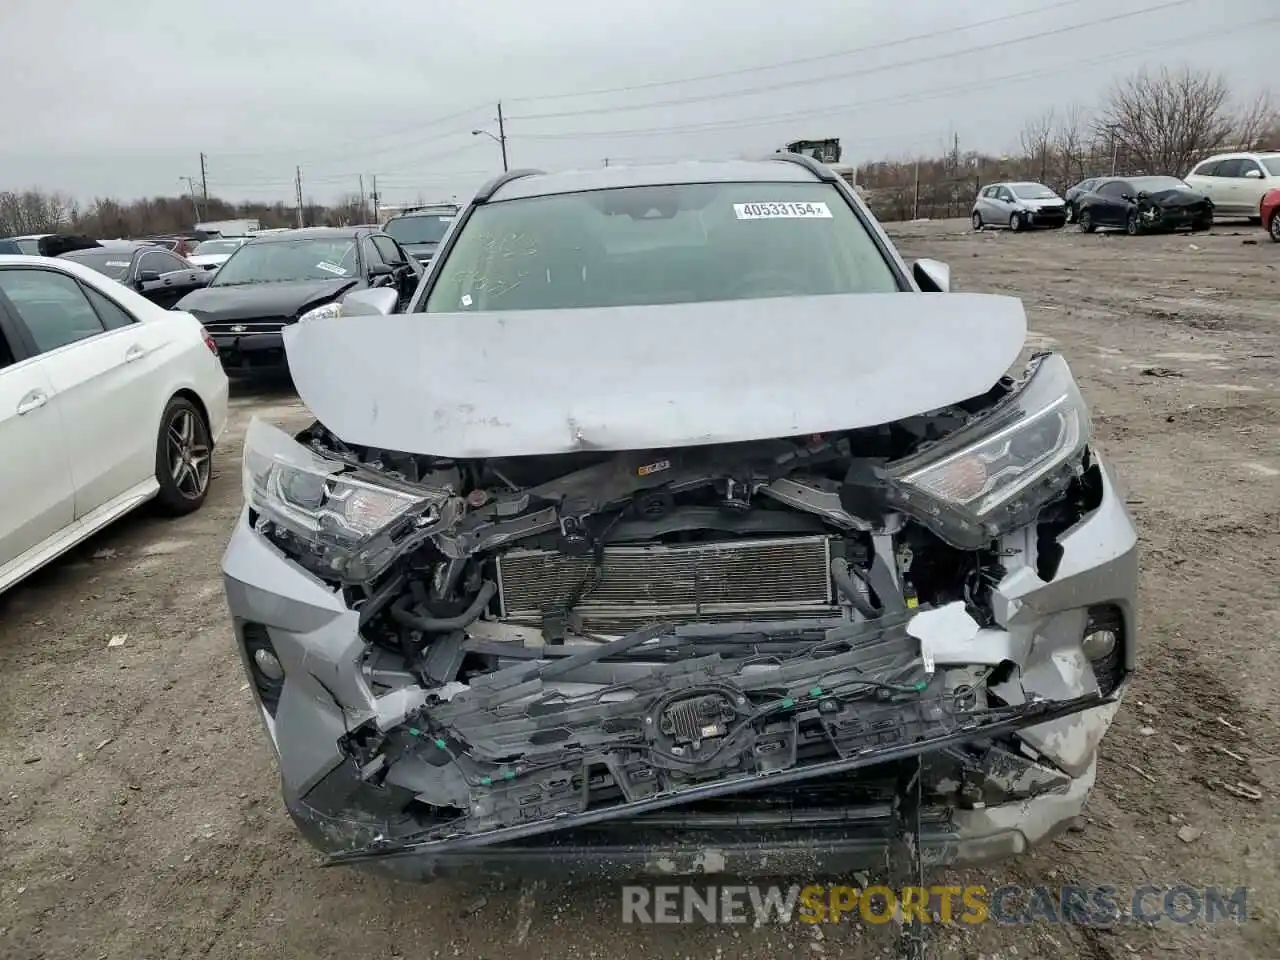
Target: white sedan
{"points": [[106, 402]]}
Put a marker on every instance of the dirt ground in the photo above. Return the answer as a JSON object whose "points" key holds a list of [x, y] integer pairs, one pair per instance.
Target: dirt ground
{"points": [[139, 809]]}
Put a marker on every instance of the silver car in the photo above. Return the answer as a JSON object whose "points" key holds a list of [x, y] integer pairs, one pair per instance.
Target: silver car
{"points": [[1018, 206], [692, 516]]}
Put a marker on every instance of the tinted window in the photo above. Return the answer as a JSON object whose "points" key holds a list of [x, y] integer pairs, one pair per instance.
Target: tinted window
{"points": [[371, 256], [109, 263], [112, 315], [10, 247], [275, 261], [6, 353], [418, 229], [161, 263], [390, 252], [1032, 191], [660, 244], [1156, 184], [1246, 166], [1207, 169], [1230, 168], [52, 306], [1115, 188]]}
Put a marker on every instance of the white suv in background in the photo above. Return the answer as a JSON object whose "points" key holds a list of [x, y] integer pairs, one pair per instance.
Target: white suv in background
{"points": [[1236, 182]]}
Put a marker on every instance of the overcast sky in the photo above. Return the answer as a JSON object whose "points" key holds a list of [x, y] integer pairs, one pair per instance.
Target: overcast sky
{"points": [[119, 99]]}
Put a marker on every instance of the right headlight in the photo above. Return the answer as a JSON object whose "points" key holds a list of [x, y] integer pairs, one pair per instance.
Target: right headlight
{"points": [[997, 475], [330, 518]]}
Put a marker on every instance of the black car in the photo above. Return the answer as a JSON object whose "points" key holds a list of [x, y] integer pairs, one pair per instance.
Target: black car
{"points": [[420, 231], [160, 276], [275, 278], [1142, 204], [1074, 193]]}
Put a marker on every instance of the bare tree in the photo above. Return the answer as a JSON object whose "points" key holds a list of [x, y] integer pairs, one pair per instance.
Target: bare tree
{"points": [[1166, 120], [1070, 145], [1256, 123], [1037, 141]]}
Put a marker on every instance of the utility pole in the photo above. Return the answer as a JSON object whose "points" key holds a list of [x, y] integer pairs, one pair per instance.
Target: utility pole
{"points": [[364, 209], [606, 161], [915, 204], [204, 181], [376, 198], [502, 137], [298, 185], [191, 190]]}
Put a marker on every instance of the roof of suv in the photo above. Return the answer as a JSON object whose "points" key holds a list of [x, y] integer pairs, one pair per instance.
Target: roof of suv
{"points": [[314, 233], [538, 184], [1242, 155]]}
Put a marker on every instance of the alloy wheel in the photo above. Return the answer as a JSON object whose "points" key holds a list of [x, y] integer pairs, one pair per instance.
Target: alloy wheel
{"points": [[187, 445]]}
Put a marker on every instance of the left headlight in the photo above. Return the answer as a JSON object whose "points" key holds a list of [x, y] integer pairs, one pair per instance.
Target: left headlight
{"points": [[1023, 457], [327, 516]]}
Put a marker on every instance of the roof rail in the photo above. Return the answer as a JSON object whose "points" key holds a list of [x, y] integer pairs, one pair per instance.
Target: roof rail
{"points": [[485, 193], [819, 170]]}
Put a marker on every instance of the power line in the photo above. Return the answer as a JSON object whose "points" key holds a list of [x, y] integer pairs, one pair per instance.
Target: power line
{"points": [[845, 108], [651, 84], [364, 141], [865, 71]]}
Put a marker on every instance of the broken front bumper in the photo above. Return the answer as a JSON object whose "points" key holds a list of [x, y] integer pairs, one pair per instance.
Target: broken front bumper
{"points": [[1033, 738]]}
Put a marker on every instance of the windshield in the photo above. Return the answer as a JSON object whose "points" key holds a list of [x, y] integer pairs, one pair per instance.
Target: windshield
{"points": [[1156, 184], [278, 261], [1032, 191], [1272, 164], [219, 246], [30, 247], [109, 263], [419, 229], [687, 243]]}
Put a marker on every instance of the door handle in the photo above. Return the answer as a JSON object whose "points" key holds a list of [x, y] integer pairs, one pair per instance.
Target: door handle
{"points": [[32, 401], [134, 353]]}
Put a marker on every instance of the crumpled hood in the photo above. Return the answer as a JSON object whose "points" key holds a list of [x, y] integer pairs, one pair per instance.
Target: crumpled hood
{"points": [[262, 299], [1176, 197], [624, 378]]}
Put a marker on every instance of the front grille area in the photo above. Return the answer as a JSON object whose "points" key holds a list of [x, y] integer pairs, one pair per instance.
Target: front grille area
{"points": [[765, 579], [256, 325]]}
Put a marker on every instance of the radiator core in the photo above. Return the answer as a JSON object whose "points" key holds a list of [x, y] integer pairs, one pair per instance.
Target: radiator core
{"points": [[763, 579]]}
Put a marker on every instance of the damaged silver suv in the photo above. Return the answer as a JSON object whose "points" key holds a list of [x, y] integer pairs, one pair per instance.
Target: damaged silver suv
{"points": [[680, 525]]}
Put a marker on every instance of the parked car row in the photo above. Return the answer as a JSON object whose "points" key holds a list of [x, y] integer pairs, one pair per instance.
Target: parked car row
{"points": [[1227, 185]]}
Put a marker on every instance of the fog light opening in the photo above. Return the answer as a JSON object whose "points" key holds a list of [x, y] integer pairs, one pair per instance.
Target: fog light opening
{"points": [[1098, 645], [265, 668], [266, 661]]}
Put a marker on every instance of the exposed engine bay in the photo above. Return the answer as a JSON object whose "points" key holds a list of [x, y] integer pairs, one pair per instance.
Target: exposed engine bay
{"points": [[556, 641]]}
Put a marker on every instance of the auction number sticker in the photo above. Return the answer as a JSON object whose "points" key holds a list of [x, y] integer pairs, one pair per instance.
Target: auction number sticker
{"points": [[333, 268], [789, 211]]}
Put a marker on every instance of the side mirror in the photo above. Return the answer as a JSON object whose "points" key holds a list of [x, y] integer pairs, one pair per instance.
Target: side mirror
{"points": [[147, 276], [1127, 196], [379, 270], [932, 276], [1253, 174], [371, 302]]}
